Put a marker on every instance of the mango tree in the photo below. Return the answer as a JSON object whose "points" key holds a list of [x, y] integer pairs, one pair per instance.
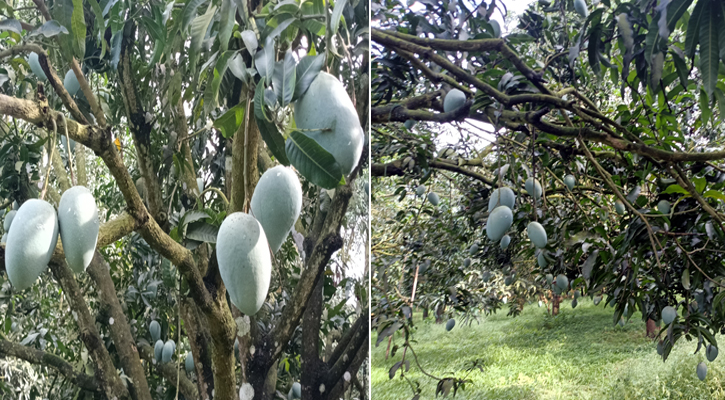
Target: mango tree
{"points": [[583, 159], [159, 167]]}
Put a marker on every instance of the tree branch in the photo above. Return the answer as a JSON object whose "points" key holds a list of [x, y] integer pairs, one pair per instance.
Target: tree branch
{"points": [[170, 373], [34, 356]]}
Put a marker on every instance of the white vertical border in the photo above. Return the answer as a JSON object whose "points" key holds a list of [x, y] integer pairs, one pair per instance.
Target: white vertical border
{"points": [[370, 207]]}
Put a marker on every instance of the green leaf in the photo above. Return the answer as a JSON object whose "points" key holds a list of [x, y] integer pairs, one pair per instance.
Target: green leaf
{"points": [[700, 183], [313, 162], [202, 232], [686, 279], [284, 79], [682, 71], [715, 194], [720, 103], [705, 112], [211, 94], [281, 27], [100, 24], [307, 70], [49, 29], [267, 128], [655, 42], [593, 49], [226, 23], [63, 13], [264, 60], [337, 15], [230, 121], [198, 32], [709, 47], [676, 189], [693, 29], [78, 23], [189, 13]]}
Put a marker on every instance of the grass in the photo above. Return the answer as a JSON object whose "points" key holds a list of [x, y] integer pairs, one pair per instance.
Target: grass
{"points": [[577, 355]]}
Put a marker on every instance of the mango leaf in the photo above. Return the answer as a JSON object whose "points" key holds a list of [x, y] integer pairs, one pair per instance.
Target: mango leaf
{"points": [[250, 41], [693, 29], [676, 189], [193, 216], [281, 27], [686, 279], [337, 15], [307, 70], [198, 32], [267, 128], [63, 12], [655, 42], [202, 232], [12, 25], [99, 23], [189, 14], [710, 47], [49, 29], [715, 194], [78, 23], [211, 94], [700, 183], [226, 24], [313, 162], [230, 121], [284, 79], [682, 71], [264, 60]]}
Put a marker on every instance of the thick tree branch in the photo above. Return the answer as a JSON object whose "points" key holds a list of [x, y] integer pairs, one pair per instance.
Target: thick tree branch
{"points": [[106, 373], [120, 329], [342, 361], [34, 356]]}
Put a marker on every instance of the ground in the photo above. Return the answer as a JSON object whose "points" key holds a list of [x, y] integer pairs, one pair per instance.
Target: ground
{"points": [[576, 355]]}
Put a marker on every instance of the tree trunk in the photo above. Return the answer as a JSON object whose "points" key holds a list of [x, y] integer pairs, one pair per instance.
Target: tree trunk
{"points": [[651, 328], [425, 312], [439, 313], [555, 300]]}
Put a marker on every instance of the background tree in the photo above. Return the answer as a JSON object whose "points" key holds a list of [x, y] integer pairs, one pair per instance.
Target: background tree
{"points": [[183, 107], [626, 97]]}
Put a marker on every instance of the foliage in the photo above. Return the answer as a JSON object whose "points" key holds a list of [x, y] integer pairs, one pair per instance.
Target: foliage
{"points": [[628, 104], [178, 92]]}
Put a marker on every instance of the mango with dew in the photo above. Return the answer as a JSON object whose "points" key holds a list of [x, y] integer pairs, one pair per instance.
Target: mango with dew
{"points": [[70, 82], [570, 181], [502, 197], [537, 234], [326, 114], [245, 264], [79, 226], [499, 221], [533, 188], [277, 203], [31, 241], [454, 100]]}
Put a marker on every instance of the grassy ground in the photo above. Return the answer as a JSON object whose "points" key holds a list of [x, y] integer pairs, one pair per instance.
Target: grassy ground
{"points": [[576, 355]]}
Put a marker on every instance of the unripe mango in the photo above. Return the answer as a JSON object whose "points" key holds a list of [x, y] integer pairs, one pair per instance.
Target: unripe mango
{"points": [[537, 234], [168, 351], [581, 8], [668, 315], [79, 225], [570, 181], [533, 188], [31, 242], [189, 362], [711, 352], [409, 124], [155, 331], [244, 261], [9, 220], [453, 100], [466, 262], [200, 184], [541, 260], [502, 197], [702, 371], [496, 28], [505, 241], [277, 203], [326, 114], [663, 206], [433, 198], [499, 221], [549, 278], [420, 190], [473, 249], [562, 282], [450, 324], [70, 82], [619, 207], [158, 350], [35, 66], [296, 390]]}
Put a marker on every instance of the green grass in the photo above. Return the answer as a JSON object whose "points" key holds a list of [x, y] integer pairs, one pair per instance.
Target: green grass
{"points": [[576, 355]]}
